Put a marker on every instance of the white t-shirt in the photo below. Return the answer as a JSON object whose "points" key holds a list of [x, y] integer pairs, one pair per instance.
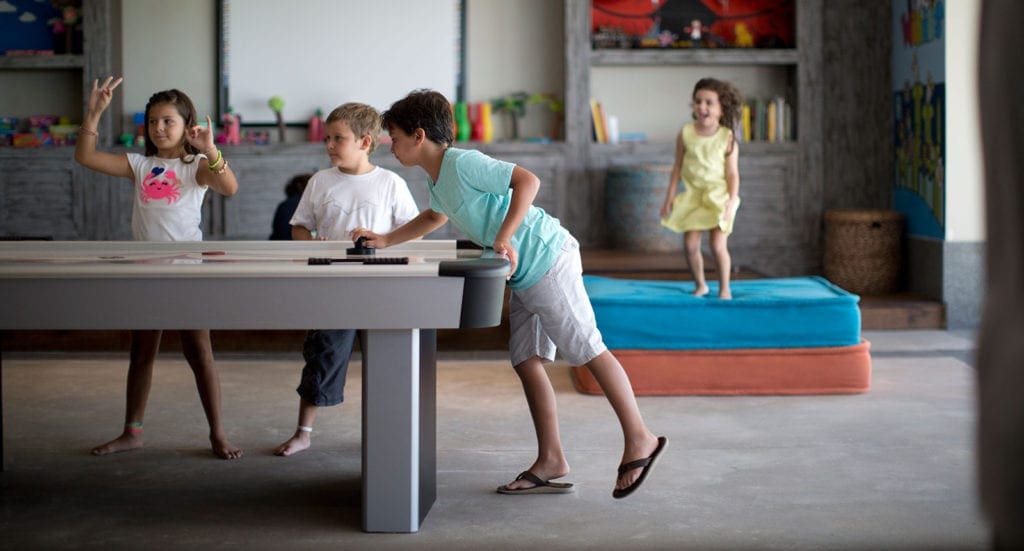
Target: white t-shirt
{"points": [[168, 199], [335, 203]]}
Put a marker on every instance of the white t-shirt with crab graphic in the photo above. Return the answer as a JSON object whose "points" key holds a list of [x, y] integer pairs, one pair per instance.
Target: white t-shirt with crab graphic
{"points": [[168, 199]]}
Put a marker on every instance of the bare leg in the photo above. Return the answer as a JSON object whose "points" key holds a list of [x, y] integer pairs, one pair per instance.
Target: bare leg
{"points": [[199, 353], [540, 396], [639, 441], [301, 439], [696, 262], [719, 245], [144, 348]]}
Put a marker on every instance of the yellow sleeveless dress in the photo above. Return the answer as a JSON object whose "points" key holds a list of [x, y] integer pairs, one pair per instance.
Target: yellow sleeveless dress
{"points": [[702, 202]]}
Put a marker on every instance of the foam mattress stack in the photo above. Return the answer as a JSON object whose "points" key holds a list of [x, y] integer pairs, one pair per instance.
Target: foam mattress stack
{"points": [[776, 336]]}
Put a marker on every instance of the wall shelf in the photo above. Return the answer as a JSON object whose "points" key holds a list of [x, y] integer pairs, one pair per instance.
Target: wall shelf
{"points": [[694, 56], [63, 61]]}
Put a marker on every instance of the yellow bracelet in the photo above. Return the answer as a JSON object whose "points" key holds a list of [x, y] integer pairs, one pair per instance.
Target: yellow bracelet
{"points": [[215, 164]]}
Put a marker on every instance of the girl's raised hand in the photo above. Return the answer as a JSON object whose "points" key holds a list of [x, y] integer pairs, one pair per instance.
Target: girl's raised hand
{"points": [[100, 96], [201, 137]]}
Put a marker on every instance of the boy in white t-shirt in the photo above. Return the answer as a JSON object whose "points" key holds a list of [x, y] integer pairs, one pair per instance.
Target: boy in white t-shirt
{"points": [[352, 194]]}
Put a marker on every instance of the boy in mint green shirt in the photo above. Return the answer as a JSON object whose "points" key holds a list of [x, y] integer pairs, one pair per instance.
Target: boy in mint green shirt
{"points": [[491, 202]]}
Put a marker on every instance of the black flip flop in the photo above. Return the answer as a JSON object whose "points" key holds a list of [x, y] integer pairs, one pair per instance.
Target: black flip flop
{"points": [[647, 464], [539, 486]]}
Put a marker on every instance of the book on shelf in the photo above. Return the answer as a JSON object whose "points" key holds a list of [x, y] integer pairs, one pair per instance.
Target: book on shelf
{"points": [[599, 123], [768, 120]]}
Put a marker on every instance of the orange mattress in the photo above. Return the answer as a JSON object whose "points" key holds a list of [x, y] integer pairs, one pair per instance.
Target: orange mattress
{"points": [[787, 371]]}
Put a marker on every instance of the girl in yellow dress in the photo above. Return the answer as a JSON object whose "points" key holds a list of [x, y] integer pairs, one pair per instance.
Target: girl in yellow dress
{"points": [[707, 158]]}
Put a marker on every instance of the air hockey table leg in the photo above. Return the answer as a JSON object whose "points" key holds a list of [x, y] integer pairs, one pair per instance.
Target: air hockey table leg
{"points": [[399, 428]]}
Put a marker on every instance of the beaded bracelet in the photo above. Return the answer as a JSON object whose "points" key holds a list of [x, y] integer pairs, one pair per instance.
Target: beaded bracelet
{"points": [[223, 167]]}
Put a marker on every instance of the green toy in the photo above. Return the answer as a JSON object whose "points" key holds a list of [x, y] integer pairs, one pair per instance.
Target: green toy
{"points": [[276, 104]]}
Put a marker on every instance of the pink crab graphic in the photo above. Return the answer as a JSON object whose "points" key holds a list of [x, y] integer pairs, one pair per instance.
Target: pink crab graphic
{"points": [[159, 184]]}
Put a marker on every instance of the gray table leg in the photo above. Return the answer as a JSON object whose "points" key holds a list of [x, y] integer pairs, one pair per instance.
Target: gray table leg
{"points": [[1, 401], [399, 427]]}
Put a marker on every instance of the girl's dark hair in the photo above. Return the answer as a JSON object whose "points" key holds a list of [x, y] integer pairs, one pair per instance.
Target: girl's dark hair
{"points": [[424, 109], [185, 108], [728, 96]]}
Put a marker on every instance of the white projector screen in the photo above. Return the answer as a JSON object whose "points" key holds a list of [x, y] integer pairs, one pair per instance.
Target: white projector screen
{"points": [[322, 53]]}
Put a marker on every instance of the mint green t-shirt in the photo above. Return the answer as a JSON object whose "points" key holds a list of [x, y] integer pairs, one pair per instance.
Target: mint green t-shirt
{"points": [[473, 191]]}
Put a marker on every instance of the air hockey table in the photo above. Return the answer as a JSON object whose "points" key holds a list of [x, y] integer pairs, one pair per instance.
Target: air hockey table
{"points": [[399, 296]]}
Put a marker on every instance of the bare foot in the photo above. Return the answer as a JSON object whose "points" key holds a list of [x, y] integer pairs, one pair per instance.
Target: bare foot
{"points": [[725, 294], [126, 442], [295, 444], [224, 449], [543, 472], [632, 453], [701, 290]]}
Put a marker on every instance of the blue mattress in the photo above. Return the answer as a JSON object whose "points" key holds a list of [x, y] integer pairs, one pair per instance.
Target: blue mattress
{"points": [[764, 313]]}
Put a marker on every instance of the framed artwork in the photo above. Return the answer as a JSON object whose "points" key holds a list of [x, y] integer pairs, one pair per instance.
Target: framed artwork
{"points": [[34, 27], [693, 23]]}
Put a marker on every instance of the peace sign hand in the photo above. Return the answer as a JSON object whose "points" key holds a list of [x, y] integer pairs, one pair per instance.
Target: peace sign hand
{"points": [[100, 96]]}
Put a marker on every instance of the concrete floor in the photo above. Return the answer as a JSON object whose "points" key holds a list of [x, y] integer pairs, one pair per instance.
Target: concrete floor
{"points": [[890, 469]]}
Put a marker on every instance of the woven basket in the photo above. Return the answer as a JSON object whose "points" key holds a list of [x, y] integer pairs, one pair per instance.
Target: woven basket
{"points": [[863, 250]]}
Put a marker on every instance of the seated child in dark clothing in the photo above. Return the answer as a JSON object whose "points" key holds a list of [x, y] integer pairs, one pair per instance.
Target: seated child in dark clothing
{"points": [[285, 209]]}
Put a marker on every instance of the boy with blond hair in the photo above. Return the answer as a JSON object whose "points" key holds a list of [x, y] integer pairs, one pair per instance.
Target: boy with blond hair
{"points": [[353, 193]]}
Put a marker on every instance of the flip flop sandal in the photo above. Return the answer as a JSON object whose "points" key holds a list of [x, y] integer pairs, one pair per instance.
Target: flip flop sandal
{"points": [[647, 464], [539, 486]]}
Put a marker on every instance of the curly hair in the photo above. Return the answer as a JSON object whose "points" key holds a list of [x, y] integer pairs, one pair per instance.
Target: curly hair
{"points": [[362, 119], [424, 109], [728, 96], [185, 108]]}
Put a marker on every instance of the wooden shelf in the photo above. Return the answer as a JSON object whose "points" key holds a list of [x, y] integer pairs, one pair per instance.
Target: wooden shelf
{"points": [[694, 56], [46, 62], [668, 148]]}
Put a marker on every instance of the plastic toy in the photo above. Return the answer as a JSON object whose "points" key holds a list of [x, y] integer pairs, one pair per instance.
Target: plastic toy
{"points": [[463, 130], [232, 134], [276, 104], [316, 127]]}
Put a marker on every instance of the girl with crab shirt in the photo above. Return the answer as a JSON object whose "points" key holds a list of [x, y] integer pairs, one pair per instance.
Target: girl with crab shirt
{"points": [[180, 164], [707, 159]]}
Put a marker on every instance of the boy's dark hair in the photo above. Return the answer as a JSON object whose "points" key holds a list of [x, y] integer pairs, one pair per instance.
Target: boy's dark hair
{"points": [[362, 120], [185, 108], [728, 96], [424, 109]]}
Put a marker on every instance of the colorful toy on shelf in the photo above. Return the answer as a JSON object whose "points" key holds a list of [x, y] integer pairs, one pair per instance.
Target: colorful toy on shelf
{"points": [[463, 129], [140, 130], [276, 104], [694, 31], [515, 106], [556, 108], [483, 127], [232, 123], [316, 131], [487, 136]]}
